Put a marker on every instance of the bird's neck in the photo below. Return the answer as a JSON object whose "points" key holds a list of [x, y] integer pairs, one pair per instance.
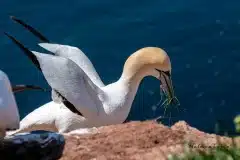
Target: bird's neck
{"points": [[132, 75], [121, 95], [129, 87], [131, 82]]}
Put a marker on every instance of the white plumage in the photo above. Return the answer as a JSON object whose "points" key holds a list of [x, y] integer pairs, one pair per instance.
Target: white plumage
{"points": [[9, 116], [77, 56]]}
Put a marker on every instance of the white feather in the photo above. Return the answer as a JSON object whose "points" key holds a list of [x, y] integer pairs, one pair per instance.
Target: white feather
{"points": [[77, 56], [71, 81], [9, 116]]}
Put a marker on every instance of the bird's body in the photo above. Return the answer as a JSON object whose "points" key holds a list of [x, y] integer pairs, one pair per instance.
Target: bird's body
{"points": [[57, 117], [80, 98]]}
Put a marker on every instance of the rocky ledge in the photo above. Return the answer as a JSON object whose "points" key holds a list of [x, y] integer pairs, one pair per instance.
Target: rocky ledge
{"points": [[139, 140]]}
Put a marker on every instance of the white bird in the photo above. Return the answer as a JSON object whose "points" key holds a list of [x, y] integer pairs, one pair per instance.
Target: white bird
{"points": [[9, 116], [80, 99]]}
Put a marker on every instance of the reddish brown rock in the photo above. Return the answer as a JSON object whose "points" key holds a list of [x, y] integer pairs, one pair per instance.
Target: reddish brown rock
{"points": [[138, 140]]}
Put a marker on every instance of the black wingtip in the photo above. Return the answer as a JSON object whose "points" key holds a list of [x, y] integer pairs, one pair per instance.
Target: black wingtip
{"points": [[31, 29], [26, 51], [20, 88], [33, 87]]}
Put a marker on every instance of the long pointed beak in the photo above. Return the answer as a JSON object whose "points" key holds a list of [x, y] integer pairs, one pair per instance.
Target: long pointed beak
{"points": [[167, 86], [19, 88], [31, 29]]}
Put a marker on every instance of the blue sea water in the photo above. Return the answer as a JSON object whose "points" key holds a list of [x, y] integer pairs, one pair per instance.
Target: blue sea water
{"points": [[202, 38]]}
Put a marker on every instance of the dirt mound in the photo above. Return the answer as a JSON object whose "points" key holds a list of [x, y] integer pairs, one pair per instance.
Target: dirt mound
{"points": [[138, 140]]}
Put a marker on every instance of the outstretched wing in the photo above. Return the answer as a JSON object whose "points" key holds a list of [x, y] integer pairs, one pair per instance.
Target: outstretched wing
{"points": [[77, 56], [71, 82], [68, 79], [73, 53]]}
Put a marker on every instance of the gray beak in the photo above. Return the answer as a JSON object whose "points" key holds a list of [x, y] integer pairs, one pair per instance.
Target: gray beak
{"points": [[166, 84], [167, 88]]}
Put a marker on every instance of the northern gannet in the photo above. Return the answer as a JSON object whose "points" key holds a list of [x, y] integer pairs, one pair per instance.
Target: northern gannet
{"points": [[80, 99]]}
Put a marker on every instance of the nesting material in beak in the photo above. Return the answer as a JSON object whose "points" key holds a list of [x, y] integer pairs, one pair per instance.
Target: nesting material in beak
{"points": [[167, 88]]}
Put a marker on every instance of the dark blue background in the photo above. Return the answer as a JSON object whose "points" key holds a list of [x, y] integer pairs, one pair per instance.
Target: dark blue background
{"points": [[202, 38]]}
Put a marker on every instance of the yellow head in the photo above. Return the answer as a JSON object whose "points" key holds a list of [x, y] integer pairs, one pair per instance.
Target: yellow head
{"points": [[146, 62], [149, 61]]}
